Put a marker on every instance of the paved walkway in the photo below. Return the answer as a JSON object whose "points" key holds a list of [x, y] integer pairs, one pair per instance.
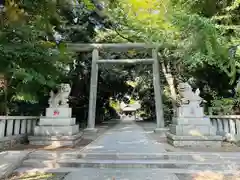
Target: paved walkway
{"points": [[126, 137], [128, 151]]}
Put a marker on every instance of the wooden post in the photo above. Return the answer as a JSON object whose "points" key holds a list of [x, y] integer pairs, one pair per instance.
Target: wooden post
{"points": [[93, 91], [157, 91]]}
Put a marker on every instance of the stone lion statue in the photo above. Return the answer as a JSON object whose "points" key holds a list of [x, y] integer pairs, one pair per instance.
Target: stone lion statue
{"points": [[60, 99], [187, 95]]}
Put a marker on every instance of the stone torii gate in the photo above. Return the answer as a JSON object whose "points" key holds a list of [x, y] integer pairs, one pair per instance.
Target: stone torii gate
{"points": [[95, 48]]}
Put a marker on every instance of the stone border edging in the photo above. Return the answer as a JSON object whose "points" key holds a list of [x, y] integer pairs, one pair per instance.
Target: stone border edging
{"points": [[12, 161]]}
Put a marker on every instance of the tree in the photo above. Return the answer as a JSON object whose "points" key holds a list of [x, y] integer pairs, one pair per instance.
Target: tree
{"points": [[30, 62], [189, 37]]}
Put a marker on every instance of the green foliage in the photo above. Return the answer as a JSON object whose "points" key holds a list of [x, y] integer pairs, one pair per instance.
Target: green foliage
{"points": [[197, 39], [115, 105], [223, 106], [192, 37], [29, 62], [227, 106]]}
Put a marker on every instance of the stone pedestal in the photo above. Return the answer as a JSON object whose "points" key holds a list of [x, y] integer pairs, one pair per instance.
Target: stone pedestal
{"points": [[90, 130], [161, 131], [191, 129], [58, 128]]}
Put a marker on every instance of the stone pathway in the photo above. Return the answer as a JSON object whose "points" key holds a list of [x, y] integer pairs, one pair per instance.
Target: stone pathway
{"points": [[126, 137], [128, 152]]}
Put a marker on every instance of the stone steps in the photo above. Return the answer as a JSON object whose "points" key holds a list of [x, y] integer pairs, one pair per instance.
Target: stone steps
{"points": [[84, 163], [162, 156], [137, 173], [10, 160], [49, 155], [48, 159], [177, 165], [166, 153], [3, 154], [159, 170]]}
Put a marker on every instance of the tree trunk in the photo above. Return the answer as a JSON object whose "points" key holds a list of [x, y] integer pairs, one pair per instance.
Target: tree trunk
{"points": [[4, 101], [170, 80]]}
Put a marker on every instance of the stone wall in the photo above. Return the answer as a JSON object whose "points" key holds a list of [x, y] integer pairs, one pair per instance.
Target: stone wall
{"points": [[14, 130]]}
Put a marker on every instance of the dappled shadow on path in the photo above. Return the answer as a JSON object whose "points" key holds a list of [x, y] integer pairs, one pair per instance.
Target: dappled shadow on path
{"points": [[208, 175], [31, 176], [82, 143]]}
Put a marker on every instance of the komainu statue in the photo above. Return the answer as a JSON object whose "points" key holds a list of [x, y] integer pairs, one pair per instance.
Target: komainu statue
{"points": [[187, 95], [60, 99]]}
